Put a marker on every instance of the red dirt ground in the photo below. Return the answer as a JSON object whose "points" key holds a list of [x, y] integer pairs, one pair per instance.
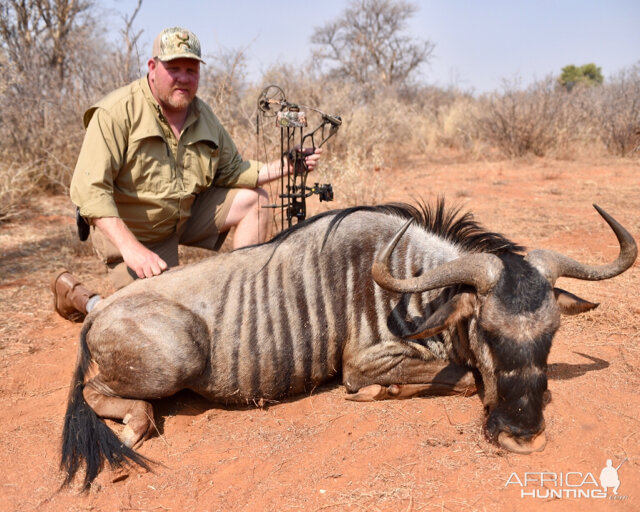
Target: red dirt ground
{"points": [[321, 452]]}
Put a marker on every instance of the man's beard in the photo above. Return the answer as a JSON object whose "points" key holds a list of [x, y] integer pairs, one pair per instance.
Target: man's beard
{"points": [[178, 102]]}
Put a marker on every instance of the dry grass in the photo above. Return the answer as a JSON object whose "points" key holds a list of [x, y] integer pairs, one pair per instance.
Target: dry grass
{"points": [[16, 185]]}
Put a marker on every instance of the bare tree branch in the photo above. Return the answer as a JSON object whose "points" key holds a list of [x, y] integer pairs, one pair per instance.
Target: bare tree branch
{"points": [[130, 38], [367, 45]]}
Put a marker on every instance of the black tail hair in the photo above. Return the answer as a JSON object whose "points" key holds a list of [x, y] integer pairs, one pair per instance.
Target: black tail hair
{"points": [[85, 437]]}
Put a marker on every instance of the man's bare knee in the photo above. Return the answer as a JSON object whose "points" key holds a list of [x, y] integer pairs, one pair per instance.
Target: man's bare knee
{"points": [[249, 217], [246, 202]]}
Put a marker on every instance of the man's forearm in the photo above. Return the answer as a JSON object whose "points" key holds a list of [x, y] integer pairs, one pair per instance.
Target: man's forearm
{"points": [[118, 232], [272, 170]]}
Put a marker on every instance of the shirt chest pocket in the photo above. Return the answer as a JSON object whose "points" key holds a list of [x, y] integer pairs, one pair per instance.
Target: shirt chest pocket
{"points": [[150, 168], [202, 161]]}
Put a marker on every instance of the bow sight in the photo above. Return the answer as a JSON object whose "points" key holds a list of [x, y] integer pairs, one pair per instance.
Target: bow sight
{"points": [[291, 118]]}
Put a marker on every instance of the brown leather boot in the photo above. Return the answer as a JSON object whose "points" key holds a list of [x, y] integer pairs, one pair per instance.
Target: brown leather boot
{"points": [[70, 297]]}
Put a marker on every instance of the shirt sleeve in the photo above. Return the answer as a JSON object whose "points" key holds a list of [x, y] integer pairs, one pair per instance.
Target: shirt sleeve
{"points": [[101, 156], [233, 171]]}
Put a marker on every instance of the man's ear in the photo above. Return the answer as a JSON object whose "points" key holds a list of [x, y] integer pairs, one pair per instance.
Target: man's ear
{"points": [[152, 64], [571, 304]]}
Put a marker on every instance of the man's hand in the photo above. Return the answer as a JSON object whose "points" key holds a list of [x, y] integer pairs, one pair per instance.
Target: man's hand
{"points": [[142, 261], [312, 160]]}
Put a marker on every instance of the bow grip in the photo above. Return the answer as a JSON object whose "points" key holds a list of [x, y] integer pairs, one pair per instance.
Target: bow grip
{"points": [[297, 158]]}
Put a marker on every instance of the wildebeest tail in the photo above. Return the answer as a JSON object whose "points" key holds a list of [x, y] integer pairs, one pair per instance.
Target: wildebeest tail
{"points": [[85, 437]]}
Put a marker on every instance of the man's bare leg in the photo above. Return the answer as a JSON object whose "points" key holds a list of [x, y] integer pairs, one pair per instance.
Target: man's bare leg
{"points": [[250, 219]]}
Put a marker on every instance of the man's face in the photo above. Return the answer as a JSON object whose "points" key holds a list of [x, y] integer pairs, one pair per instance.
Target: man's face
{"points": [[174, 83]]}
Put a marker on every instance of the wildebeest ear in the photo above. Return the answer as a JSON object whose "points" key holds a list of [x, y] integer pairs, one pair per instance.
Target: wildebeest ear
{"points": [[571, 304], [457, 308]]}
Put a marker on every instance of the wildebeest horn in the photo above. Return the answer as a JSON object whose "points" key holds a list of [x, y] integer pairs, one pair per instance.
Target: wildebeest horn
{"points": [[478, 270], [554, 265]]}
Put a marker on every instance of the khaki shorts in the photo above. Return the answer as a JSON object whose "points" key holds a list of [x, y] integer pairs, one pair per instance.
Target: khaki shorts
{"points": [[208, 214]]}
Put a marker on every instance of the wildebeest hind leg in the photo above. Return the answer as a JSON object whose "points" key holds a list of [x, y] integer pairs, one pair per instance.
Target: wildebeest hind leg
{"points": [[386, 372], [137, 415]]}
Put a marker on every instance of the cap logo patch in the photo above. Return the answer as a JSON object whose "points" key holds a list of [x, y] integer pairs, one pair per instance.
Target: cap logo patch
{"points": [[184, 40]]}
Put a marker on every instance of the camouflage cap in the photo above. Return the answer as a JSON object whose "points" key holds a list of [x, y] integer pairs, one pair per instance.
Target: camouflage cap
{"points": [[176, 43]]}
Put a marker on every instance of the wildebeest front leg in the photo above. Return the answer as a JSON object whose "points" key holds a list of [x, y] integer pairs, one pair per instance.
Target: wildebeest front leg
{"points": [[137, 415], [402, 370]]}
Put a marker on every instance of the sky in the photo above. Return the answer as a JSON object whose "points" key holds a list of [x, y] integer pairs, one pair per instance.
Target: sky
{"points": [[479, 44]]}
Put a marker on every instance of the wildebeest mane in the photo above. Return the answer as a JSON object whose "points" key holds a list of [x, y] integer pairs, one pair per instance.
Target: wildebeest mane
{"points": [[447, 223]]}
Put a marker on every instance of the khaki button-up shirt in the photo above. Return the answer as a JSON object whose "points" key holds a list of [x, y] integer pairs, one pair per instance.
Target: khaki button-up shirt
{"points": [[132, 166]]}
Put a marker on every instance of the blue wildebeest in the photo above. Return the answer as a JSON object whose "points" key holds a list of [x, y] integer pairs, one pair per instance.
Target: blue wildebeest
{"points": [[277, 319]]}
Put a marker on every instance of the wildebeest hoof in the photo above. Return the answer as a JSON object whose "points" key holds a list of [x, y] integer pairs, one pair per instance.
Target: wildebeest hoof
{"points": [[129, 437], [394, 390], [138, 426], [132, 439], [375, 392], [369, 393]]}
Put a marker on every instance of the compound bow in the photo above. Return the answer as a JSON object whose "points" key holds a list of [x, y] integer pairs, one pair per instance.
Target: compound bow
{"points": [[291, 118]]}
